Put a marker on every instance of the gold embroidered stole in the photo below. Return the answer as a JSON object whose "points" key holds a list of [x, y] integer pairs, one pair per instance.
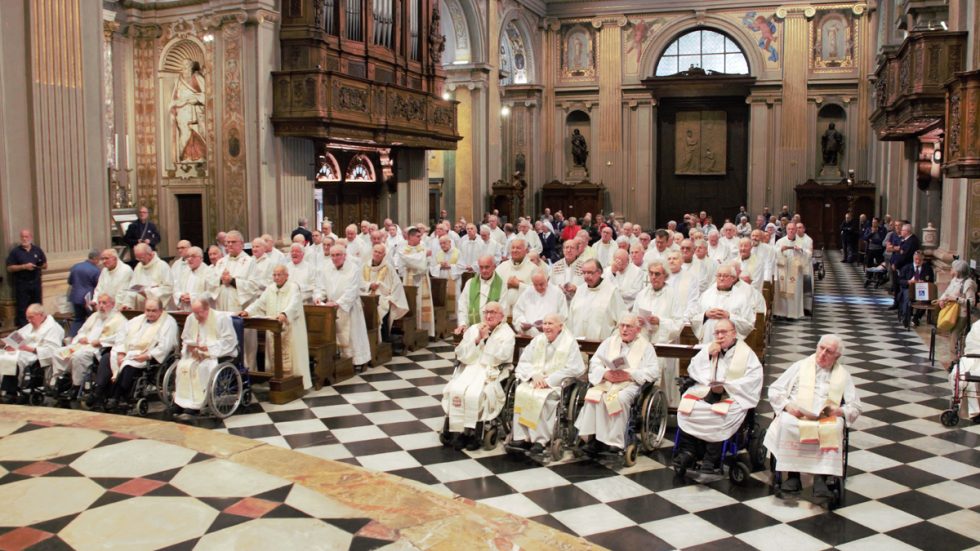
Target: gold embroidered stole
{"points": [[824, 430]]}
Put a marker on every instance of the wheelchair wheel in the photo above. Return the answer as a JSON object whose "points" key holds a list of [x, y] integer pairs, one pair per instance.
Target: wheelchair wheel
{"points": [[654, 420], [444, 438], [490, 438], [629, 455], [36, 398], [225, 391], [950, 418], [739, 473], [507, 413], [557, 449], [837, 488], [168, 386], [142, 407], [757, 451]]}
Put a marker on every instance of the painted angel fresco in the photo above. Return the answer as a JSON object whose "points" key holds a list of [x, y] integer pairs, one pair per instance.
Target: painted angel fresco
{"points": [[638, 34], [766, 27]]}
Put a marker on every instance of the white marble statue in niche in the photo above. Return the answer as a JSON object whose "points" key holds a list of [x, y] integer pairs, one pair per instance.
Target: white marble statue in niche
{"points": [[187, 109]]}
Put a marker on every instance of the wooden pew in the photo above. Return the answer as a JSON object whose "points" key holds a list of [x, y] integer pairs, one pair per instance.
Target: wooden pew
{"points": [[380, 351], [407, 326], [440, 311], [282, 389], [321, 335]]}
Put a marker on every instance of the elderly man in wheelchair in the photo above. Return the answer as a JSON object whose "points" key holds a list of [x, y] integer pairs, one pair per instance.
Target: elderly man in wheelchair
{"points": [[25, 354], [475, 396], [622, 364], [207, 340], [73, 363], [548, 364], [727, 383], [811, 400]]}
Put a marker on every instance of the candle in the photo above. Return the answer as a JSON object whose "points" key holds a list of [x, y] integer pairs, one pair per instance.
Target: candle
{"points": [[129, 154], [115, 151]]}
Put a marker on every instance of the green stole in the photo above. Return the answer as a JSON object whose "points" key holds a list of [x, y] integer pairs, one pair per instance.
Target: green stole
{"points": [[473, 313]]}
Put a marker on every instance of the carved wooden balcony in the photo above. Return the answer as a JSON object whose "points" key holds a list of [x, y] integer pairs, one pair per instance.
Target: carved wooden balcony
{"points": [[963, 126], [909, 84]]}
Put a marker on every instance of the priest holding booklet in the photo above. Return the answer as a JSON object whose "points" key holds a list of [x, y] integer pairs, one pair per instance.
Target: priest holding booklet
{"points": [[536, 303], [622, 364]]}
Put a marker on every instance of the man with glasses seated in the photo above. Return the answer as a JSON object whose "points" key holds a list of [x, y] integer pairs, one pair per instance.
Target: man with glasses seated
{"points": [[727, 378], [723, 302], [618, 369], [475, 395]]}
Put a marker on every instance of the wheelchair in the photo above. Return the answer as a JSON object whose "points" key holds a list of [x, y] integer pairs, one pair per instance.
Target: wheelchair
{"points": [[564, 433], [229, 386], [489, 433], [32, 389], [819, 270], [836, 484], [961, 389], [742, 453], [63, 392], [645, 428]]}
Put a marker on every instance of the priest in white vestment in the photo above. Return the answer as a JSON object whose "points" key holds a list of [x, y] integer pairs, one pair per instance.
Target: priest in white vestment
{"points": [[516, 273], [281, 301], [765, 253], [723, 301], [567, 272], [622, 364], [193, 281], [207, 336], [487, 287], [115, 278], [100, 331], [662, 312], [445, 265], [470, 249], [705, 266], [729, 238], [807, 245], [356, 248], [604, 248], [412, 263], [339, 286], [151, 279], [262, 264], [38, 341], [475, 395], [718, 251], [629, 279], [540, 300], [792, 259], [179, 263], [150, 335], [753, 267], [683, 282], [378, 277], [490, 246], [727, 379], [597, 306], [551, 357], [811, 400], [661, 245], [301, 272], [527, 233]]}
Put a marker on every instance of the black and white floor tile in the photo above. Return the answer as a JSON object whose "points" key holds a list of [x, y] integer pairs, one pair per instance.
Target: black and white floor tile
{"points": [[911, 484]]}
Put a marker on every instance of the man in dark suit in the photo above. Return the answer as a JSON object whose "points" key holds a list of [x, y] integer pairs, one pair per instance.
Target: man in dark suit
{"points": [[918, 271], [849, 234], [901, 258], [301, 230], [142, 231]]}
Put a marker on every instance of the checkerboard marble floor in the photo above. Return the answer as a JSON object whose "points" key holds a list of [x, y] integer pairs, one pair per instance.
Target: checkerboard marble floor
{"points": [[912, 483]]}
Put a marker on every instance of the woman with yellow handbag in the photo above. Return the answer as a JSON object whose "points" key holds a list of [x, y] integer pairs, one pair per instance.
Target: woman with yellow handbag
{"points": [[955, 304]]}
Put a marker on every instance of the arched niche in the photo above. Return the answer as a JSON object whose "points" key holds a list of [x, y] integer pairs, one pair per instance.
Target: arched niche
{"points": [[184, 108], [835, 114], [673, 30], [517, 63], [360, 169], [328, 170], [581, 121], [462, 25]]}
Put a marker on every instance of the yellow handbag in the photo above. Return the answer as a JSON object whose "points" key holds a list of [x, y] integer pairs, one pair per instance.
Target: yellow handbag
{"points": [[948, 316]]}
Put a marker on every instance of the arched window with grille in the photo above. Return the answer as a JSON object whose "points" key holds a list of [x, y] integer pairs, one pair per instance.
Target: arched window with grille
{"points": [[705, 49]]}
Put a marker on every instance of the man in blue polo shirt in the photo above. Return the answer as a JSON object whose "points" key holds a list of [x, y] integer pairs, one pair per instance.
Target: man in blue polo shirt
{"points": [[83, 278], [25, 263]]}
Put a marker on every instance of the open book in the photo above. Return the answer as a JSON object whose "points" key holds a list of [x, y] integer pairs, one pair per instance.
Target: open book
{"points": [[14, 340], [136, 288], [613, 364], [644, 315], [825, 412]]}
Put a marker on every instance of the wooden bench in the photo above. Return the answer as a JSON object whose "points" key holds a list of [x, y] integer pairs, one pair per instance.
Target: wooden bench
{"points": [[412, 338], [282, 389], [380, 351], [440, 310], [321, 335]]}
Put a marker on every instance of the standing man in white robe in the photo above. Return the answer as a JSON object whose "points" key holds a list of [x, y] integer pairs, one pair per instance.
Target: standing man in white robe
{"points": [[567, 272], [720, 302], [791, 267], [662, 314], [539, 301], [412, 263], [232, 280], [516, 273], [526, 232], [551, 357], [727, 379], [629, 279], [765, 253], [179, 263], [151, 278], [262, 264], [193, 281], [487, 287], [99, 332], [490, 246], [115, 278], [604, 248], [445, 265], [717, 251], [597, 306], [150, 335], [753, 267], [301, 272], [378, 277], [705, 266], [807, 245], [811, 400], [339, 287], [661, 245], [470, 249], [475, 395], [281, 301], [356, 248], [39, 340], [683, 283], [606, 409], [207, 336]]}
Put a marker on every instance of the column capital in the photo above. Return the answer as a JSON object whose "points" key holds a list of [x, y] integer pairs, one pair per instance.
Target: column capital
{"points": [[617, 20], [791, 12]]}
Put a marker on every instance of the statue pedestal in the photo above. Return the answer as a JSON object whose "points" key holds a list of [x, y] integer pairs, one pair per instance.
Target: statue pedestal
{"points": [[577, 174], [830, 173]]}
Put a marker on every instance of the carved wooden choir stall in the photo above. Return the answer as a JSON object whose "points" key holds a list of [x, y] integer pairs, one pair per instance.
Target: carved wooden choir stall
{"points": [[321, 334], [380, 351], [412, 337], [440, 310]]}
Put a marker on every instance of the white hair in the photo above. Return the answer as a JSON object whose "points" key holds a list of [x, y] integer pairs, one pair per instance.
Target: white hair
{"points": [[833, 340]]}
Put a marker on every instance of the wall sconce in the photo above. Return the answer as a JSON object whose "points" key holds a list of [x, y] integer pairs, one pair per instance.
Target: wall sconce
{"points": [[447, 96], [505, 111], [937, 155], [208, 38]]}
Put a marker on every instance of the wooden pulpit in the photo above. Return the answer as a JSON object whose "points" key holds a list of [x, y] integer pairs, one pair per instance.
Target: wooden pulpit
{"points": [[380, 351], [282, 388], [321, 331]]}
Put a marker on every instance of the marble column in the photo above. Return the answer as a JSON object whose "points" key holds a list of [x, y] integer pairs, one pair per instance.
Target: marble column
{"points": [[607, 162], [292, 196], [793, 136], [261, 44]]}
